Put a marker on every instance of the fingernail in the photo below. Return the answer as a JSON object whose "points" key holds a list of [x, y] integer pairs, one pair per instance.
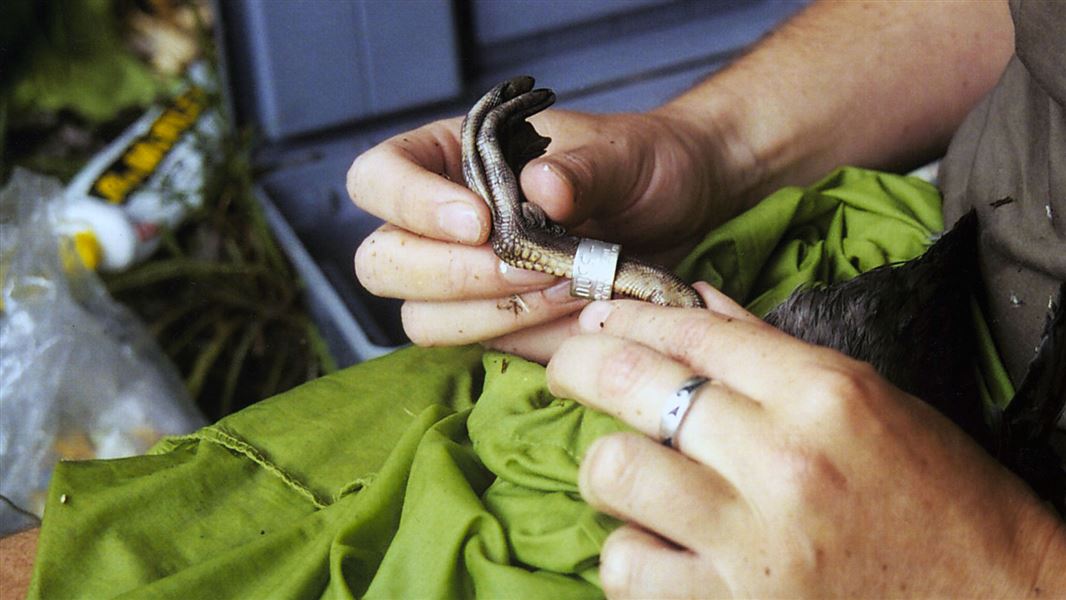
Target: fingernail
{"points": [[563, 177], [595, 315], [460, 221], [560, 293], [524, 276]]}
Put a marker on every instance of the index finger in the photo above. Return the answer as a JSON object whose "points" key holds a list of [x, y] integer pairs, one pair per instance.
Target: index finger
{"points": [[749, 356], [414, 181]]}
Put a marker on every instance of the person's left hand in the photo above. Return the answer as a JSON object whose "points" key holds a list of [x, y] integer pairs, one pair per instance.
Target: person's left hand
{"points": [[654, 182], [800, 471]]}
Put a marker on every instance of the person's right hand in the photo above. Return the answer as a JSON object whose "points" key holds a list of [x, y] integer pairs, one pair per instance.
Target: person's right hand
{"points": [[648, 181], [797, 472]]}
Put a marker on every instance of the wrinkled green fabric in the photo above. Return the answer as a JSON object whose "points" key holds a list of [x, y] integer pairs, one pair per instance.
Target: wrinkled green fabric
{"points": [[429, 472]]}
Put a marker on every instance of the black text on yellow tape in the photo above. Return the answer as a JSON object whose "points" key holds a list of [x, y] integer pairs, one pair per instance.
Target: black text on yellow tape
{"points": [[143, 155]]}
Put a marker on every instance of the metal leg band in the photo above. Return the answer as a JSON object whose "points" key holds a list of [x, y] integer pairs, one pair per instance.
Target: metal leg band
{"points": [[594, 268]]}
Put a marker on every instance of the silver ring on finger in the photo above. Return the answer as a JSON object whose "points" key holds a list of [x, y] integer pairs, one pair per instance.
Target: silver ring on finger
{"points": [[676, 408], [595, 263]]}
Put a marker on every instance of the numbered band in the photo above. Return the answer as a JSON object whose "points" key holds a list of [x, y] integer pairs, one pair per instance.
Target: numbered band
{"points": [[594, 266]]}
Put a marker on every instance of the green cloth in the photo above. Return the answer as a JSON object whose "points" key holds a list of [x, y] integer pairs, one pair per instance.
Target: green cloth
{"points": [[429, 472]]}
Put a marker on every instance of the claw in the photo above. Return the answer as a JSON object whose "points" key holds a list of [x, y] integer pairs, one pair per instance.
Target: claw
{"points": [[497, 142]]}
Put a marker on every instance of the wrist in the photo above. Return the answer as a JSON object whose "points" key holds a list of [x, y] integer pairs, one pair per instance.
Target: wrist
{"points": [[761, 145], [714, 126], [1049, 579]]}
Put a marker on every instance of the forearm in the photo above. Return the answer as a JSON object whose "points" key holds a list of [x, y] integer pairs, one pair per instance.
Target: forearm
{"points": [[874, 84], [16, 563]]}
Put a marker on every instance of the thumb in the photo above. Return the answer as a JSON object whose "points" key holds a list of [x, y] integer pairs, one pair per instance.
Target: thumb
{"points": [[595, 180]]}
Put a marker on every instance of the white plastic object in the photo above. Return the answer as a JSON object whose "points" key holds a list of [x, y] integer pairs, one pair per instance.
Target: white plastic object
{"points": [[152, 174], [103, 237], [80, 376]]}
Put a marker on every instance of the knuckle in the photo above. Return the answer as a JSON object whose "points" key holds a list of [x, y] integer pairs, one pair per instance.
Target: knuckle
{"points": [[842, 388], [458, 276], [610, 467], [445, 136], [846, 401], [808, 477], [578, 163], [691, 336], [626, 369], [405, 211]]}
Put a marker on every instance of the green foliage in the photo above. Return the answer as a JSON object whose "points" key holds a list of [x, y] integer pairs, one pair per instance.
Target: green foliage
{"points": [[219, 296], [223, 300], [69, 56]]}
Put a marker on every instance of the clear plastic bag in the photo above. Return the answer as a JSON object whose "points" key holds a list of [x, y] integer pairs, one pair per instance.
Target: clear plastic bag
{"points": [[80, 377]]}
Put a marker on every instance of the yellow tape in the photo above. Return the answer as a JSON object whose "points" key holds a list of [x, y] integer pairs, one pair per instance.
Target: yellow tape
{"points": [[81, 250], [88, 249], [144, 154]]}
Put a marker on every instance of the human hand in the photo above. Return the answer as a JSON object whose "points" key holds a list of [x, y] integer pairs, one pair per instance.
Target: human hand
{"points": [[800, 471], [646, 181]]}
